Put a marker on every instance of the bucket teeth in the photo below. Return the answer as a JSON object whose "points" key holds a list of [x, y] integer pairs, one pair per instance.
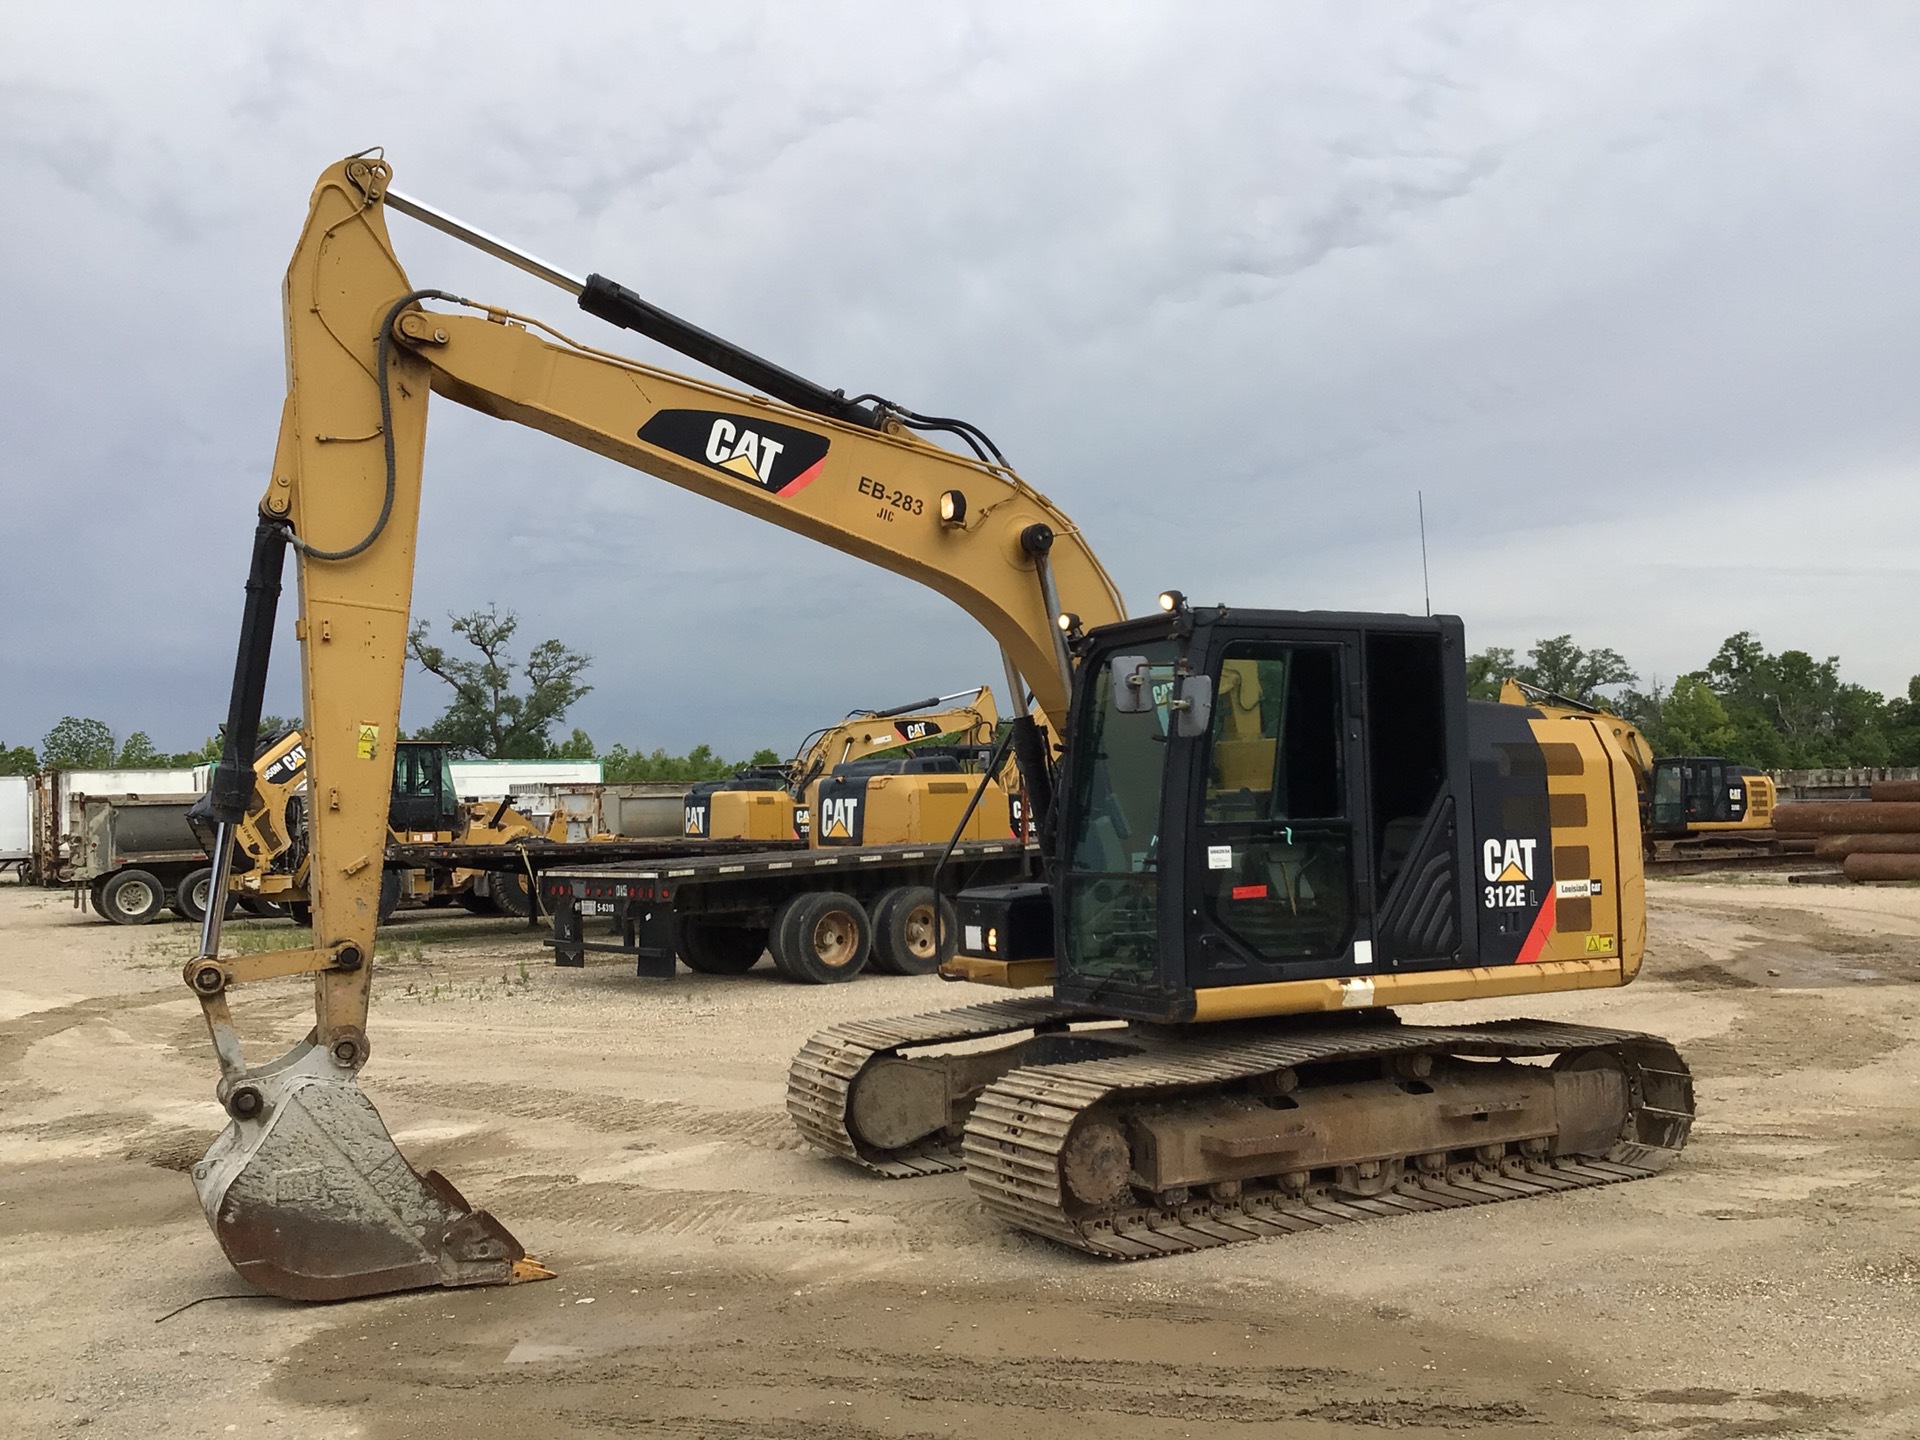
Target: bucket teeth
{"points": [[312, 1200]]}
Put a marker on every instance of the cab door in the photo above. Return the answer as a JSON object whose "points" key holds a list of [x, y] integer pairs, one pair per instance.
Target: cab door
{"points": [[1274, 882]]}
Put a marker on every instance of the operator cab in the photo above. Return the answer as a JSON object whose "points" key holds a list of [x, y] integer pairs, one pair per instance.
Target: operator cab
{"points": [[1699, 792], [1260, 797], [424, 800]]}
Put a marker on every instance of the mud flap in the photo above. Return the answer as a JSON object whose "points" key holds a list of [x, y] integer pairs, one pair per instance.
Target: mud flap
{"points": [[312, 1200]]}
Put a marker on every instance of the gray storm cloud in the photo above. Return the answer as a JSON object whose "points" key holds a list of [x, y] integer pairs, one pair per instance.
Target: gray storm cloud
{"points": [[1627, 293]]}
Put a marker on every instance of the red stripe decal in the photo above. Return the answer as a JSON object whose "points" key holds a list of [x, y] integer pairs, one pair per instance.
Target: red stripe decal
{"points": [[805, 478], [1249, 892], [1536, 940]]}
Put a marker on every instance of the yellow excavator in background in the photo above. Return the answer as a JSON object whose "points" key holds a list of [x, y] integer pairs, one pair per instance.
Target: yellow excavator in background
{"points": [[777, 802], [1689, 804], [1239, 890]]}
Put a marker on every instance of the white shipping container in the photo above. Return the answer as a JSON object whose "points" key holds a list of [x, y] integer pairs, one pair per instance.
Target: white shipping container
{"points": [[495, 779], [16, 817]]}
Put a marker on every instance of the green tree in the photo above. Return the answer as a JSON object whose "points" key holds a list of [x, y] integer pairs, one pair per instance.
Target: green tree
{"points": [[699, 763], [1487, 671], [75, 743], [1692, 721], [1901, 725], [488, 716], [18, 760], [138, 751], [1566, 669], [1794, 711]]}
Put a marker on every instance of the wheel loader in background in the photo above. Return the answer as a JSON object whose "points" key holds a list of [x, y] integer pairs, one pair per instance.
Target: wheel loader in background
{"points": [[1239, 894], [270, 860]]}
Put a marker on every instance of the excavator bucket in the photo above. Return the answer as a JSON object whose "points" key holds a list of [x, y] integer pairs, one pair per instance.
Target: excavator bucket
{"points": [[312, 1200]]}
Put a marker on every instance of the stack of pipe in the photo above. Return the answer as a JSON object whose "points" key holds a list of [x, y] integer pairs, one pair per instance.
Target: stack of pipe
{"points": [[1878, 840]]}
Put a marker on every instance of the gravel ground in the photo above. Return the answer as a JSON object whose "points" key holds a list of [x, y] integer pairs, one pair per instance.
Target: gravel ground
{"points": [[718, 1279]]}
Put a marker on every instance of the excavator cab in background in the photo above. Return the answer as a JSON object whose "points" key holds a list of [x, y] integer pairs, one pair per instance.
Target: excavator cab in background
{"points": [[1708, 795]]}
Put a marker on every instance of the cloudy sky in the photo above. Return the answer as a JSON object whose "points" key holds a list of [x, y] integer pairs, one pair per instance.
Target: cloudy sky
{"points": [[1629, 293]]}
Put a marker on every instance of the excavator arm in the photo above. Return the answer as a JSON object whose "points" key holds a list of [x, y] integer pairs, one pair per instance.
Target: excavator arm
{"points": [[305, 1189]]}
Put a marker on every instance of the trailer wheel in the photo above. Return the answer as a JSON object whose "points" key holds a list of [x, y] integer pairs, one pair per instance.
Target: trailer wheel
{"points": [[97, 899], [301, 911], [712, 949], [132, 897], [474, 903], [826, 938], [903, 924]]}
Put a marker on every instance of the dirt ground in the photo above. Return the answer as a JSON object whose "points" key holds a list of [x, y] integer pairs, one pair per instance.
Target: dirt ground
{"points": [[719, 1279]]}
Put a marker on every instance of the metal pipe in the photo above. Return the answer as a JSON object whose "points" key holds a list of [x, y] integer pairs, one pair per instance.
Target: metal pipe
{"points": [[480, 240]]}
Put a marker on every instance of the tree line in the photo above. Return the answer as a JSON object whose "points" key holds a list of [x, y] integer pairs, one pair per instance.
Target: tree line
{"points": [[502, 708], [1780, 711], [1784, 711]]}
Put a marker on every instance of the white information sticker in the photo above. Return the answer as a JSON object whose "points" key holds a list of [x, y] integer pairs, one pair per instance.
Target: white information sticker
{"points": [[976, 942], [1363, 952], [1219, 857]]}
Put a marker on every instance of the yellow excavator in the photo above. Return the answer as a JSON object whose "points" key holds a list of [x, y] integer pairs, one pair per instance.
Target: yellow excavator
{"points": [[777, 802], [1263, 832]]}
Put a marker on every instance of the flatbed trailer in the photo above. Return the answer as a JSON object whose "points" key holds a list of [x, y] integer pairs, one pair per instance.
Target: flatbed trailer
{"points": [[648, 906]]}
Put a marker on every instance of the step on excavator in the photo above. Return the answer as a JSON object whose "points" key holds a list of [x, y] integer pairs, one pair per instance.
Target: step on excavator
{"points": [[1264, 832]]}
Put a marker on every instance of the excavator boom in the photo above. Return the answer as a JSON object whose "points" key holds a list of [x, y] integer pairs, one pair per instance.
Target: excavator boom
{"points": [[305, 1189]]}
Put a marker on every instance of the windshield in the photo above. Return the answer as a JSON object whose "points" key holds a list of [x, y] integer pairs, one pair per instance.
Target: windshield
{"points": [[1112, 882]]}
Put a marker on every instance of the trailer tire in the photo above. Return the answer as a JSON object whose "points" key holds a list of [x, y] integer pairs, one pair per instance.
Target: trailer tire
{"points": [[713, 949], [265, 909], [132, 897], [96, 899], [826, 938], [903, 929], [389, 894], [301, 911], [474, 903]]}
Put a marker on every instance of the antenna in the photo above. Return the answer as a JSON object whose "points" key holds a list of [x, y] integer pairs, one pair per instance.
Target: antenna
{"points": [[1426, 586]]}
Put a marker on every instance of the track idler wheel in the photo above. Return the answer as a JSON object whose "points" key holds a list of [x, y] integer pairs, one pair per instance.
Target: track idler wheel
{"points": [[312, 1200]]}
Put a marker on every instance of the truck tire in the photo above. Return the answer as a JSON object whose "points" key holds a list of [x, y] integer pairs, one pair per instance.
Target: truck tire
{"points": [[190, 895], [389, 894], [264, 908], [825, 938], [95, 898], [301, 912], [903, 932], [474, 903], [132, 897], [715, 949]]}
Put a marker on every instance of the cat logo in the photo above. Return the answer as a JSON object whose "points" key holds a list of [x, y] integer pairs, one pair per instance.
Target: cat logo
{"points": [[286, 767], [916, 729], [781, 458], [696, 820], [1507, 862], [750, 456], [839, 817]]}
